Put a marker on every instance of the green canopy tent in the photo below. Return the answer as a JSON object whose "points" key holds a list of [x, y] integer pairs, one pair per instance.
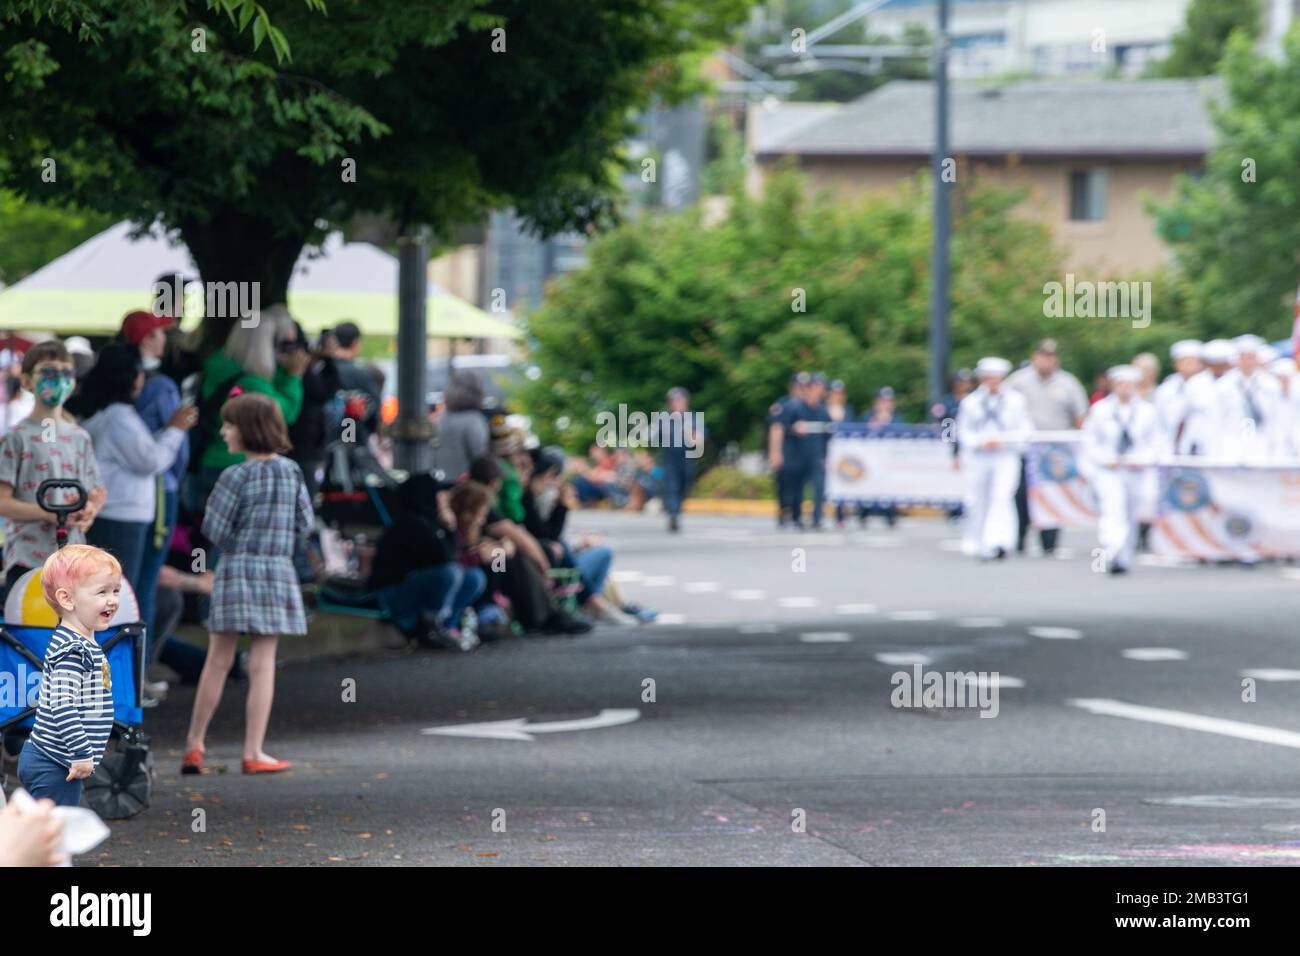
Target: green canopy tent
{"points": [[89, 289]]}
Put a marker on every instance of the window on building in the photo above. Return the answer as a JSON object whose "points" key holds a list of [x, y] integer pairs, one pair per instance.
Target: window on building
{"points": [[1088, 195]]}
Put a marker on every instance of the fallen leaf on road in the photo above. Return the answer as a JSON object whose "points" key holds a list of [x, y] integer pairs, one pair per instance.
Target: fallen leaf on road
{"points": [[492, 853]]}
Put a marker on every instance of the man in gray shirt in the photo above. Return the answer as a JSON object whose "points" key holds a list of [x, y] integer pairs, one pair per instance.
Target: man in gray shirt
{"points": [[1056, 402]]}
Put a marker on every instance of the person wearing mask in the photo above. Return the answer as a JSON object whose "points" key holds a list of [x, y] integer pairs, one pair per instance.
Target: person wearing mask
{"points": [[159, 401], [780, 444], [265, 357], [1056, 401], [992, 421], [1121, 439], [463, 432], [680, 442], [131, 459]]}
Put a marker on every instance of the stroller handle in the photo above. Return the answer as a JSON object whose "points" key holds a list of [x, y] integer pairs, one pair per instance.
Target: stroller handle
{"points": [[61, 512]]}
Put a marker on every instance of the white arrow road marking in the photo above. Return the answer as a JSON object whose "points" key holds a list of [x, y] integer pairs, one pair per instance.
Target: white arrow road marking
{"points": [[798, 602], [519, 728], [981, 622], [855, 609], [1154, 654], [1271, 674], [1056, 633], [1178, 718], [912, 615], [825, 637], [903, 659]]}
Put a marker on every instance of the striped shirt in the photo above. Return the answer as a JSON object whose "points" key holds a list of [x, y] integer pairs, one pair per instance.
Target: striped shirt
{"points": [[74, 713]]}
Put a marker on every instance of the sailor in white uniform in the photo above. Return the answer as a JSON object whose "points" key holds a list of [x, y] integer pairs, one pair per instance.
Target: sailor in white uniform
{"points": [[1247, 399], [1286, 437], [1203, 431], [1173, 398], [1122, 436], [992, 424]]}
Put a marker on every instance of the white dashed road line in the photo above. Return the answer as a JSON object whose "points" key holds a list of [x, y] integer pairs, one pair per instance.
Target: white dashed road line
{"points": [[855, 609], [658, 581], [797, 602], [1271, 674], [825, 637], [670, 619], [912, 615], [758, 629], [981, 622], [1154, 654], [902, 659], [751, 594], [626, 577], [1056, 633], [1178, 718], [701, 587]]}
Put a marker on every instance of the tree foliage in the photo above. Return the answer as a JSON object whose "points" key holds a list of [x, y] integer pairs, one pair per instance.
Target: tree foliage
{"points": [[447, 108], [679, 301], [1235, 229], [1199, 45]]}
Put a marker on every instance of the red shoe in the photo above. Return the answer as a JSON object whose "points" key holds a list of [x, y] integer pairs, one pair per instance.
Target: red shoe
{"points": [[266, 766], [192, 762]]}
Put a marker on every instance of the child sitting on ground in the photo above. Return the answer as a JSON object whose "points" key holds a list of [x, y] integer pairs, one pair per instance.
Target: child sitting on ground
{"points": [[74, 714]]}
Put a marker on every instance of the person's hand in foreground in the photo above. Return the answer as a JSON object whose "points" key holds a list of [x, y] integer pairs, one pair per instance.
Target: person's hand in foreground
{"points": [[34, 838]]}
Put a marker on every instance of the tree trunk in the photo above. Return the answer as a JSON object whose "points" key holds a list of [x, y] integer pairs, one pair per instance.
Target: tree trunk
{"points": [[244, 250]]}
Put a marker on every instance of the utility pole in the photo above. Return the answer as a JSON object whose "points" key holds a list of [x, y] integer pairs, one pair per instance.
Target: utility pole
{"points": [[942, 218], [412, 451]]}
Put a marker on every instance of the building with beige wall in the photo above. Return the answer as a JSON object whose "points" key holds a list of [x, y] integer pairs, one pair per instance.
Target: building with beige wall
{"points": [[1089, 153]]}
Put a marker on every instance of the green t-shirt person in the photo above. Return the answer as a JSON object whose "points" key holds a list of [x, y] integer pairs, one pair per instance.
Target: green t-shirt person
{"points": [[284, 387]]}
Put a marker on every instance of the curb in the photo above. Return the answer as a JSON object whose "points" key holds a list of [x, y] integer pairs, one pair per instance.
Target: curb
{"points": [[767, 509]]}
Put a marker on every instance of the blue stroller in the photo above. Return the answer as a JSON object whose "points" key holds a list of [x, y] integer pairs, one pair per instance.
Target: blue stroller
{"points": [[122, 782]]}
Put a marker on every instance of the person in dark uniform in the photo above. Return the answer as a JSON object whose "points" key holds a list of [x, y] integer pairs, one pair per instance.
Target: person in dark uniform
{"points": [[680, 442], [780, 443], [815, 439]]}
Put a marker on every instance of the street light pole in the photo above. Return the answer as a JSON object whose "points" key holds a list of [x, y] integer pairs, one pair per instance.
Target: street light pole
{"points": [[942, 223], [412, 433]]}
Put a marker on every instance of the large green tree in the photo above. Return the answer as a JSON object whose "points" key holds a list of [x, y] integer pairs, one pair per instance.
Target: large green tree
{"points": [[1199, 45], [443, 108], [1235, 229], [785, 282]]}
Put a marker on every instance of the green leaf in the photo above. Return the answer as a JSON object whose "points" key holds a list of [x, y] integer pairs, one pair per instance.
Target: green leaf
{"points": [[259, 30]]}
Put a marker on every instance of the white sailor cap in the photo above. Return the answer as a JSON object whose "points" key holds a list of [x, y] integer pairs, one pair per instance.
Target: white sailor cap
{"points": [[992, 367], [1218, 351], [1265, 353], [1185, 348], [1124, 373], [1282, 366], [1248, 344]]}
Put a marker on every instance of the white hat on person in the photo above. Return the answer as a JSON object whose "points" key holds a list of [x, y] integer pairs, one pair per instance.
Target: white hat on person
{"points": [[991, 366], [1218, 351], [1248, 344], [1124, 373], [1185, 348]]}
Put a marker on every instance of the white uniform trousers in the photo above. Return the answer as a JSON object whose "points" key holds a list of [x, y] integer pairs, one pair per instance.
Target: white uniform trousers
{"points": [[1120, 496], [989, 501]]}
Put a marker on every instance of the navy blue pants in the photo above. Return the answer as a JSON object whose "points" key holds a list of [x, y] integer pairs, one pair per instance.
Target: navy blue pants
{"points": [[443, 590], [43, 777], [678, 474]]}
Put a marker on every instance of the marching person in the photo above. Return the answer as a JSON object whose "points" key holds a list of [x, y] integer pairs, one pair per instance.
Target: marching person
{"points": [[1121, 438], [780, 442], [1286, 437], [1247, 399], [1056, 401], [812, 438], [679, 447], [1203, 434], [991, 421], [1173, 398]]}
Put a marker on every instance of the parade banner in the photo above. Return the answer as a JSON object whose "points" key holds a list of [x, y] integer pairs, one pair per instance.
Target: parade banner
{"points": [[1228, 513], [900, 465], [1058, 492]]}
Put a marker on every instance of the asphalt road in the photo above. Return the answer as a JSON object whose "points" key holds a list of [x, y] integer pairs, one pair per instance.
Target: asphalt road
{"points": [[772, 708]]}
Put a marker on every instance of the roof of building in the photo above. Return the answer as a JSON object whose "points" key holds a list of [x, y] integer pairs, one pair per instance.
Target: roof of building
{"points": [[1157, 118]]}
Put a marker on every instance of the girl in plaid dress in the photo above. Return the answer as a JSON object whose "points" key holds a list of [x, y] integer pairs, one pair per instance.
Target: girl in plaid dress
{"points": [[255, 516]]}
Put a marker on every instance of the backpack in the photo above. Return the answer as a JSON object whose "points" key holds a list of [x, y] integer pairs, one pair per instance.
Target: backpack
{"points": [[205, 429]]}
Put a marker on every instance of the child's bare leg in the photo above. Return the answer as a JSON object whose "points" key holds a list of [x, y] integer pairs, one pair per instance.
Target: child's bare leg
{"points": [[261, 691], [221, 654]]}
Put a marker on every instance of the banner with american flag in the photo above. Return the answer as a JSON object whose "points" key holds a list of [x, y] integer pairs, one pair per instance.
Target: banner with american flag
{"points": [[1228, 514], [1059, 495]]}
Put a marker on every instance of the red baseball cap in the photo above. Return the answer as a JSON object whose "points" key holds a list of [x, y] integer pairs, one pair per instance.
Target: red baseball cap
{"points": [[138, 324]]}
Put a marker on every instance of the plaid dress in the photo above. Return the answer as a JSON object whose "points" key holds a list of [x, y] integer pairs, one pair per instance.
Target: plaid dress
{"points": [[255, 515]]}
